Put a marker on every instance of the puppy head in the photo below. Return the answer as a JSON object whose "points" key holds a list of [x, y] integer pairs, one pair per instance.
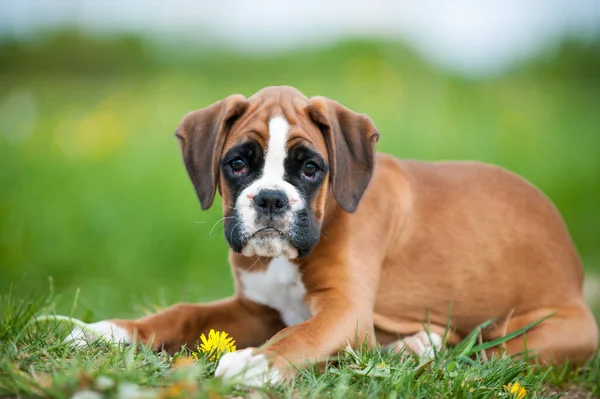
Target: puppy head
{"points": [[276, 159]]}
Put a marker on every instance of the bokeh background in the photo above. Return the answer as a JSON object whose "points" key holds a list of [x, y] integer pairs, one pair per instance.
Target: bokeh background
{"points": [[92, 189]]}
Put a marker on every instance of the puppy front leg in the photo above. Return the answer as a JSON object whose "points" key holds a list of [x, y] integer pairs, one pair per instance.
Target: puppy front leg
{"points": [[336, 324], [320, 337], [250, 324]]}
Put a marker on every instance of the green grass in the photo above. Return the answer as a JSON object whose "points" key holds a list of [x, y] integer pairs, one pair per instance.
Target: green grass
{"points": [[35, 363]]}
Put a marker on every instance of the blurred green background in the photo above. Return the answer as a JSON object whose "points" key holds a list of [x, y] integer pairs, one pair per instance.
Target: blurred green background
{"points": [[93, 191]]}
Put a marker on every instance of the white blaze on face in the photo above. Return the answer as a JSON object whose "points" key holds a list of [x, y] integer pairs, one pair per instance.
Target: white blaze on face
{"points": [[272, 177], [274, 170]]}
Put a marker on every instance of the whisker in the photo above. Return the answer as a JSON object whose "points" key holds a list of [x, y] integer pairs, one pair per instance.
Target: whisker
{"points": [[218, 221], [233, 229], [254, 264]]}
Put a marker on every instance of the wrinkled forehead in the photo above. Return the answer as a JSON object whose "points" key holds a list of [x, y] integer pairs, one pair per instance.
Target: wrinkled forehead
{"points": [[269, 123]]}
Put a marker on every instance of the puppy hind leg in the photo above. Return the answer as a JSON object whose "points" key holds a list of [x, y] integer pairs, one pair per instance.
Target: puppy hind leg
{"points": [[422, 344], [570, 335]]}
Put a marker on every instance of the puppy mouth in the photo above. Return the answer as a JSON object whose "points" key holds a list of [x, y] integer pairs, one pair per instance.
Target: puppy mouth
{"points": [[269, 242], [268, 231]]}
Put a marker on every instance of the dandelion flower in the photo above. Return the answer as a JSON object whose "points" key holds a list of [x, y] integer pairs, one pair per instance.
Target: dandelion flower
{"points": [[217, 343], [516, 390]]}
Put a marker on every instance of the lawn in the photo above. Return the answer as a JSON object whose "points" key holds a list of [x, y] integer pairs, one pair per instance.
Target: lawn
{"points": [[36, 363], [93, 195]]}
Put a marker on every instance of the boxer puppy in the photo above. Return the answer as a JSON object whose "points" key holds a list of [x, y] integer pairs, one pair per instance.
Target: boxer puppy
{"points": [[333, 244]]}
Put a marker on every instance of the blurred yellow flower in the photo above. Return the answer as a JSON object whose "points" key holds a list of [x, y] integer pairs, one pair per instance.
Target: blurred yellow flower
{"points": [[516, 390], [183, 361], [181, 389], [217, 343]]}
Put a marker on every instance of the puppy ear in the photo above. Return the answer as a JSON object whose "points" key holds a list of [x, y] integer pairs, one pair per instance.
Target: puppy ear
{"points": [[201, 135], [350, 140]]}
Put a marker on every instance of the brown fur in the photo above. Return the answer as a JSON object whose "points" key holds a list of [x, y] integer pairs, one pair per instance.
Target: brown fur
{"points": [[424, 237]]}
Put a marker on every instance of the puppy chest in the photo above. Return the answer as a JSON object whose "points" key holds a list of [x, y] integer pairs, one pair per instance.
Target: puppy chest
{"points": [[279, 287]]}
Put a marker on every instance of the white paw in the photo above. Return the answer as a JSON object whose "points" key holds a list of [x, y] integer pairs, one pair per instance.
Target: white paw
{"points": [[244, 367], [102, 330], [421, 344]]}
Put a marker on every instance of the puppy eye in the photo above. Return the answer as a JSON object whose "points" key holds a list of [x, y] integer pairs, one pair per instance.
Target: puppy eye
{"points": [[238, 166], [309, 170]]}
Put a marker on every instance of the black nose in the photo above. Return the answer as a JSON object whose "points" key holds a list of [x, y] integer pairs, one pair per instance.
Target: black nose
{"points": [[271, 202]]}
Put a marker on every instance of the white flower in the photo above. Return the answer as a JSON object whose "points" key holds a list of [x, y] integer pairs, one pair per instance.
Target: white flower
{"points": [[133, 391], [104, 383], [86, 394]]}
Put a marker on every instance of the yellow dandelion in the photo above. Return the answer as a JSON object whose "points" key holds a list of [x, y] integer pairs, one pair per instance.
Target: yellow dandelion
{"points": [[516, 390], [217, 343]]}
